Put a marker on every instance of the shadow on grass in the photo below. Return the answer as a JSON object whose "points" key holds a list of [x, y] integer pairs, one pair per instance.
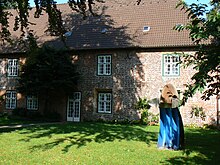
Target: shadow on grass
{"points": [[80, 134], [202, 147]]}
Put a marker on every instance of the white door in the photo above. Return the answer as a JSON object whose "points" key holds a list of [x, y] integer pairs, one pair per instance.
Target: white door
{"points": [[73, 107]]}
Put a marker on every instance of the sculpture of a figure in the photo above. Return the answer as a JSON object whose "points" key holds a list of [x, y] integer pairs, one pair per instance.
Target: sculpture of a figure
{"points": [[171, 134]]}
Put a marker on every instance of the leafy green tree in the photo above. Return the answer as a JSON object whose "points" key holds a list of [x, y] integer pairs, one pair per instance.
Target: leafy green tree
{"points": [[55, 20], [48, 71], [204, 30]]}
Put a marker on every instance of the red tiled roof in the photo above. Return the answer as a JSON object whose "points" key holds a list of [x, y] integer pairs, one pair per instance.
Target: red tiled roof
{"points": [[120, 24]]}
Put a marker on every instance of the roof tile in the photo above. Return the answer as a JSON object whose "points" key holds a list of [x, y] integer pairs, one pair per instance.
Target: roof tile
{"points": [[123, 21]]}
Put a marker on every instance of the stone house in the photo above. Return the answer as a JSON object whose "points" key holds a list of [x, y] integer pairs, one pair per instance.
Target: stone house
{"points": [[125, 53]]}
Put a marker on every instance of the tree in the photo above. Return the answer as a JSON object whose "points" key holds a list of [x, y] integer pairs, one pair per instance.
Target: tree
{"points": [[55, 21], [48, 71], [204, 30]]}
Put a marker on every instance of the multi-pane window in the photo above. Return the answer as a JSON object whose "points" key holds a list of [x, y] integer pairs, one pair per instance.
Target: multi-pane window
{"points": [[74, 105], [12, 67], [73, 108], [32, 102], [104, 102], [10, 99], [171, 65], [104, 65]]}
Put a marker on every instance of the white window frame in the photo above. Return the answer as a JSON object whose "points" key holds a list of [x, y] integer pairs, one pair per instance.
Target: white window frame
{"points": [[104, 65], [32, 102], [73, 108], [171, 65], [105, 102], [12, 67], [11, 99]]}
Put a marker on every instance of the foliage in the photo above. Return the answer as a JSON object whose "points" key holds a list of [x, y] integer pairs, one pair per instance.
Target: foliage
{"points": [[204, 30], [47, 70], [2, 98], [55, 21], [52, 116], [143, 106], [19, 112], [198, 112], [153, 119]]}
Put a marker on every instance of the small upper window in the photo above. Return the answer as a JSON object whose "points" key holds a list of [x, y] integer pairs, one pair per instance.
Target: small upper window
{"points": [[12, 67], [104, 65], [171, 65]]}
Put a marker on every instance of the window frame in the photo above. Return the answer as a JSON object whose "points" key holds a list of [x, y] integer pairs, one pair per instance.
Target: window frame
{"points": [[14, 69], [9, 101], [104, 65], [73, 99], [164, 63], [35, 102], [104, 101]]}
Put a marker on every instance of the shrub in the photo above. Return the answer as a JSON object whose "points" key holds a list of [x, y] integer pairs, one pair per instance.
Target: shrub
{"points": [[143, 106], [52, 116], [21, 112], [198, 112]]}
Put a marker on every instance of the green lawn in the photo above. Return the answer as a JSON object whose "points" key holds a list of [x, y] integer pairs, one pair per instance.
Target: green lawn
{"points": [[6, 120], [98, 143]]}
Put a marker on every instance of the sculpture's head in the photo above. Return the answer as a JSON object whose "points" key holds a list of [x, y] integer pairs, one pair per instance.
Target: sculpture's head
{"points": [[168, 92]]}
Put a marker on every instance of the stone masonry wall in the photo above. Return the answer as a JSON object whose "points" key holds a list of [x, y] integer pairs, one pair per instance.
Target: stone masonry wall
{"points": [[134, 75]]}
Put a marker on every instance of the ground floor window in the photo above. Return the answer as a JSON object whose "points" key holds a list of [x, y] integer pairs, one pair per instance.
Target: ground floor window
{"points": [[11, 99], [73, 108], [104, 102], [32, 102]]}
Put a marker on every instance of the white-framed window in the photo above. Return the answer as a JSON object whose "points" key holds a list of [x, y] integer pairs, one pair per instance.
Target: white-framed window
{"points": [[11, 99], [32, 102], [73, 109], [104, 65], [104, 102], [12, 67], [171, 65]]}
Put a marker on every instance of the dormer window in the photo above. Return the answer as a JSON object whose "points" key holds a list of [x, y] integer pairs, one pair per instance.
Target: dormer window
{"points": [[146, 28]]}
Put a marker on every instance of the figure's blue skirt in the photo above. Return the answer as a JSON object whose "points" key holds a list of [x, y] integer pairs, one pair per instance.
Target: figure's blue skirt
{"points": [[171, 133]]}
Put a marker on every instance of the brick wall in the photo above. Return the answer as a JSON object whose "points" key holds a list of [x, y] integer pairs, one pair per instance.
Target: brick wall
{"points": [[134, 75]]}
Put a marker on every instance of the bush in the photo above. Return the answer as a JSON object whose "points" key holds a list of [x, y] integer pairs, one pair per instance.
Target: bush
{"points": [[52, 116], [198, 112], [34, 115], [21, 112], [143, 106]]}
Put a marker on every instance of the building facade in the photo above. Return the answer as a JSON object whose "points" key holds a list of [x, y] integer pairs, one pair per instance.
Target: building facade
{"points": [[126, 53]]}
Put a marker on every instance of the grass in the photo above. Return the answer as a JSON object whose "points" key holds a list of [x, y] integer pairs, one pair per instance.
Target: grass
{"points": [[5, 120], [99, 143], [16, 120]]}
